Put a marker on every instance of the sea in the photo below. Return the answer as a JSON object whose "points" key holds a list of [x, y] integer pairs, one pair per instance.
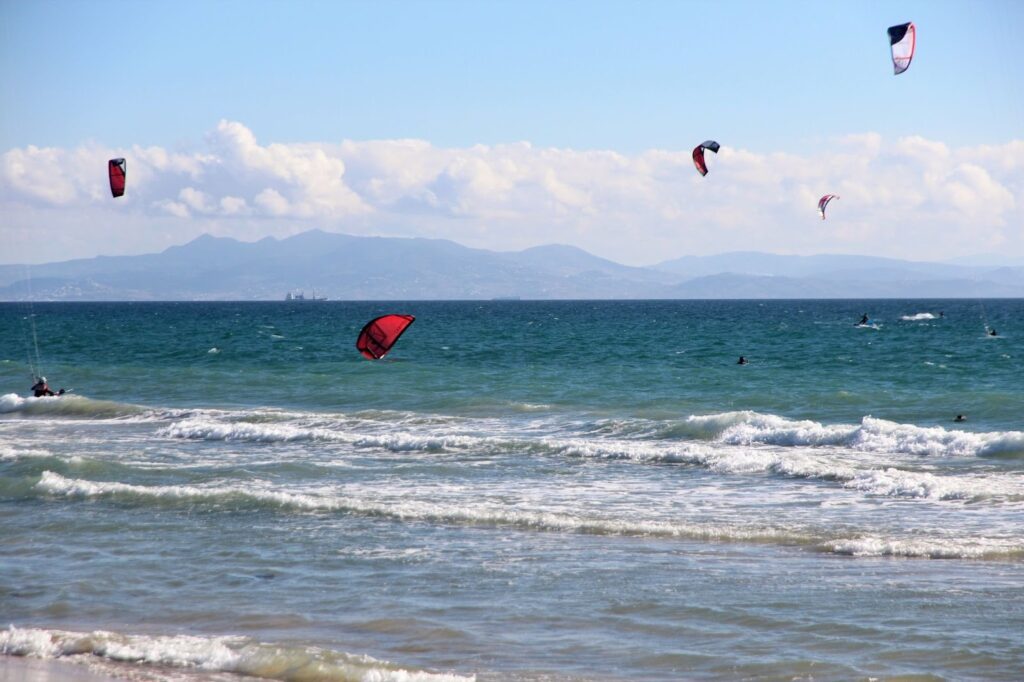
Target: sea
{"points": [[520, 491]]}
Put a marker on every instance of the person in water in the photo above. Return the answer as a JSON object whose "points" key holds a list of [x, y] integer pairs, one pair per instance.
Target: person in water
{"points": [[960, 418], [41, 388], [741, 361], [863, 319], [993, 332]]}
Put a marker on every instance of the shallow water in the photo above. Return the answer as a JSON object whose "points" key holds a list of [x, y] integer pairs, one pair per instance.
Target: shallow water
{"points": [[520, 491]]}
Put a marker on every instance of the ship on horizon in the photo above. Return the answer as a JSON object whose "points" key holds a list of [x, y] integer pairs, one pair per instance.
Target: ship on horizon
{"points": [[301, 296]]}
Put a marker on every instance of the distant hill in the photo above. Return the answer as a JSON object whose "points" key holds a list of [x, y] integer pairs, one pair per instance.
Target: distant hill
{"points": [[376, 268]]}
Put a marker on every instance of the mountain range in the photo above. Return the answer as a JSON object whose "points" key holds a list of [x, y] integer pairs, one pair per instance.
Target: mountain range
{"points": [[348, 267]]}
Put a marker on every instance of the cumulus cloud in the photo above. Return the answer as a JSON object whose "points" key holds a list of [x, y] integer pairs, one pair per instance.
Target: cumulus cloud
{"points": [[909, 197]]}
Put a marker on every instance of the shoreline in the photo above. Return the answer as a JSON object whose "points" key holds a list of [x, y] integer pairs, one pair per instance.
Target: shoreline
{"points": [[29, 669]]}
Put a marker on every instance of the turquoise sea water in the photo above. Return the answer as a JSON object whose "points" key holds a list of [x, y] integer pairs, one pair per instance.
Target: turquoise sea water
{"points": [[520, 491]]}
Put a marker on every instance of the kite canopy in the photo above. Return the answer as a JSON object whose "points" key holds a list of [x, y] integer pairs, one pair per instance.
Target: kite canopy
{"points": [[823, 202], [698, 155], [116, 168], [902, 39], [380, 334]]}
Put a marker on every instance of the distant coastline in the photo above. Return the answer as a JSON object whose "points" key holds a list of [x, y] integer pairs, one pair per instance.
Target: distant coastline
{"points": [[344, 267]]}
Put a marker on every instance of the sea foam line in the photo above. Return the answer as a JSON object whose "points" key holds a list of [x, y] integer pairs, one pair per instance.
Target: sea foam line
{"points": [[890, 482], [237, 655], [482, 515], [730, 454], [501, 516]]}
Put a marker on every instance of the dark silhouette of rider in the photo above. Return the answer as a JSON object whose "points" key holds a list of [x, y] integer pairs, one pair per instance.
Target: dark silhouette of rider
{"points": [[41, 388]]}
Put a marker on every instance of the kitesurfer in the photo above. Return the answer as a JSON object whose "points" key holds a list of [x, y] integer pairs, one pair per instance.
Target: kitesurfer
{"points": [[993, 332], [741, 361], [863, 319], [960, 418], [41, 388]]}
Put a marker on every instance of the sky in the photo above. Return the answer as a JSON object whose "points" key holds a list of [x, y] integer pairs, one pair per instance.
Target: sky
{"points": [[506, 125]]}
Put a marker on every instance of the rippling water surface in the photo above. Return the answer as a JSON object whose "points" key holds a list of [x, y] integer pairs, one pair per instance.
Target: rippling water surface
{"points": [[520, 491]]}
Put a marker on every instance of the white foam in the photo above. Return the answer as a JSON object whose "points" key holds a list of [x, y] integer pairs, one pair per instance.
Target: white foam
{"points": [[8, 453], [484, 514], [237, 655], [871, 435], [499, 514], [916, 317], [928, 548], [396, 441], [795, 463], [12, 402], [897, 483], [68, 405]]}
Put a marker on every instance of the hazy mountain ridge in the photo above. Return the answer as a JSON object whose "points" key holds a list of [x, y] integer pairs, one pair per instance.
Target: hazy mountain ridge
{"points": [[380, 268]]}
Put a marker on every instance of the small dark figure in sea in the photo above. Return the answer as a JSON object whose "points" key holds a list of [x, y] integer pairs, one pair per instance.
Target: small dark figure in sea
{"points": [[993, 332], [863, 319], [960, 418], [741, 361], [942, 314]]}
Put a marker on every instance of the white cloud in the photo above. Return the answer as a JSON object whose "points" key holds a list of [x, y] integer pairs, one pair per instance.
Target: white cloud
{"points": [[910, 197], [233, 206], [174, 208], [271, 201], [195, 199]]}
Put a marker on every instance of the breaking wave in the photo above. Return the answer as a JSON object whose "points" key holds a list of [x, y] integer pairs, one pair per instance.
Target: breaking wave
{"points": [[871, 435], [229, 498], [238, 655], [68, 406]]}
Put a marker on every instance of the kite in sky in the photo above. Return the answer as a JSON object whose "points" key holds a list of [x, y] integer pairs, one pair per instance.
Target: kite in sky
{"points": [[902, 39], [116, 167]]}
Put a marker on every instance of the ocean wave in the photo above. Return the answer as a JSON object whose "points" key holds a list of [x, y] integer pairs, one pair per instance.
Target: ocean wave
{"points": [[890, 482], [229, 497], [68, 405], [928, 548], [871, 435], [11, 454], [238, 655], [494, 515], [916, 317], [734, 449], [395, 441]]}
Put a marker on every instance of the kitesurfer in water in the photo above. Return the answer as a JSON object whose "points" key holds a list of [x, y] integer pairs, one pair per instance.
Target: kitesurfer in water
{"points": [[41, 389], [960, 418], [993, 332], [863, 319], [741, 361]]}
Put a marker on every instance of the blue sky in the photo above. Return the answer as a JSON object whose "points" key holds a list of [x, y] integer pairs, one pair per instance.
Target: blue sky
{"points": [[765, 77]]}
